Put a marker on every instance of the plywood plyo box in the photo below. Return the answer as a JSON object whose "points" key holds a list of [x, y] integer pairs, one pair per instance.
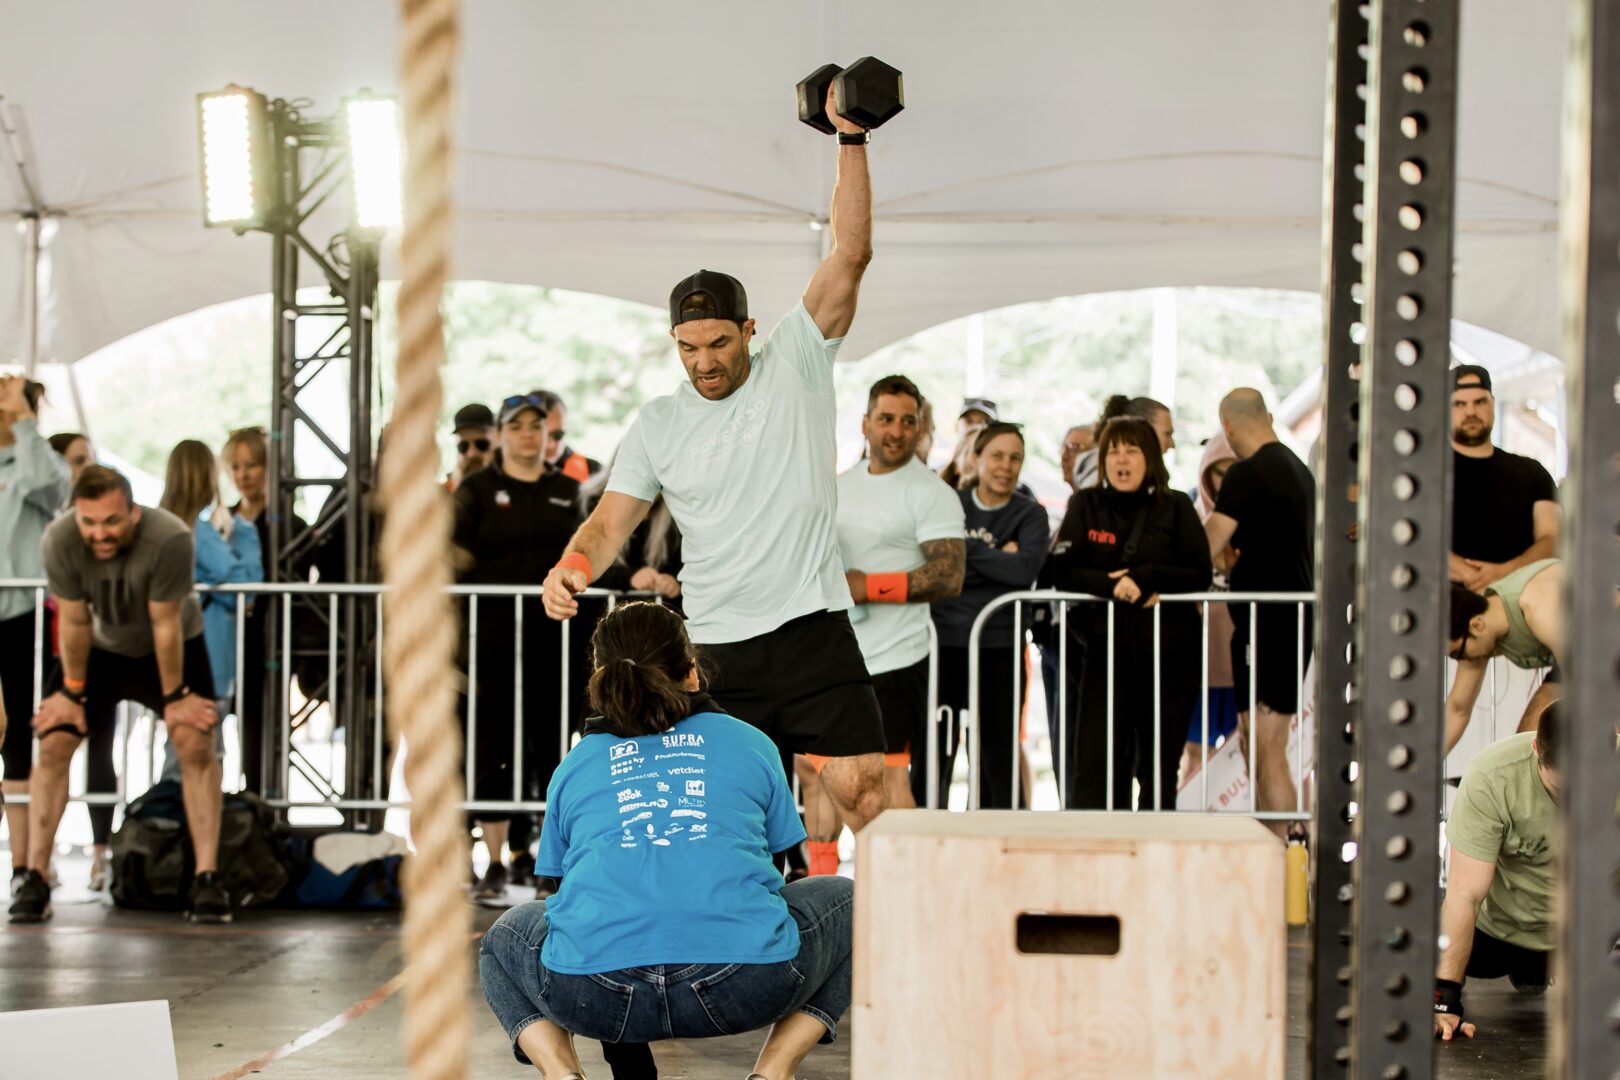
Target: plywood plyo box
{"points": [[1068, 946]]}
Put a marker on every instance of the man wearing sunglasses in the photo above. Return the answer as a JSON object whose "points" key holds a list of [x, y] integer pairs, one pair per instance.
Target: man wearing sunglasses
{"points": [[744, 455], [1520, 617], [559, 455], [475, 442]]}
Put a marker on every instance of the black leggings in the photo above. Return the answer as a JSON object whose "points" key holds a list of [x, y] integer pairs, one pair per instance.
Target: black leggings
{"points": [[17, 686], [995, 716], [1179, 680], [497, 712]]}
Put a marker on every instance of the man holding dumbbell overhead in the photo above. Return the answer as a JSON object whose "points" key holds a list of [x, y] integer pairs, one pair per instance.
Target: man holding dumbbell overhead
{"points": [[744, 456]]}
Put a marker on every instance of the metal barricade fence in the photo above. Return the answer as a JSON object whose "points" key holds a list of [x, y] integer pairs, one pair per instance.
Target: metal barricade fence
{"points": [[945, 724], [280, 654], [973, 729]]}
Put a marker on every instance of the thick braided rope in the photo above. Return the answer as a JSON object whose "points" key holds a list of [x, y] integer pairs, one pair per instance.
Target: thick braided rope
{"points": [[421, 626]]}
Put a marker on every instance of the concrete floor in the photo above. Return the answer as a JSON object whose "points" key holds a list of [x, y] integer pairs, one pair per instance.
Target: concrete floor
{"points": [[241, 994]]}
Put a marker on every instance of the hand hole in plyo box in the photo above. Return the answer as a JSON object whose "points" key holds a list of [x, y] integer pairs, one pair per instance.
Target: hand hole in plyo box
{"points": [[1041, 934]]}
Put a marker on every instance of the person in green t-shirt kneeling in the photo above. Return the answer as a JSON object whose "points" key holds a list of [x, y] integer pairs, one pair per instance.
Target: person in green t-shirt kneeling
{"points": [[1496, 919]]}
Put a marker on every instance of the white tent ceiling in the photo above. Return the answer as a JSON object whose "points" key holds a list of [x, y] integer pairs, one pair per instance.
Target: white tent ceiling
{"points": [[1049, 148]]}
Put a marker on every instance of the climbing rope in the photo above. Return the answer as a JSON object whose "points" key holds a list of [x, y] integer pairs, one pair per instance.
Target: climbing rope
{"points": [[419, 641]]}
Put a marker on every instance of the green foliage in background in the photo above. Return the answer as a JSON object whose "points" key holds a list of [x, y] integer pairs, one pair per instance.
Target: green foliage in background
{"points": [[1050, 365]]}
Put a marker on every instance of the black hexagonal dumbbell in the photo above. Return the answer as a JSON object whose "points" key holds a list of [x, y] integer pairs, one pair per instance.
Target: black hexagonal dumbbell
{"points": [[868, 92]]}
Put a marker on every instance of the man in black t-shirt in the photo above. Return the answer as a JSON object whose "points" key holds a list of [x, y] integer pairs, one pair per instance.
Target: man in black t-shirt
{"points": [[1504, 506], [1263, 533], [1504, 510]]}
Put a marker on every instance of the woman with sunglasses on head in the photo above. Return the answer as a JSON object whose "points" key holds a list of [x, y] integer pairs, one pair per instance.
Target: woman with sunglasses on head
{"points": [[512, 521], [1129, 540]]}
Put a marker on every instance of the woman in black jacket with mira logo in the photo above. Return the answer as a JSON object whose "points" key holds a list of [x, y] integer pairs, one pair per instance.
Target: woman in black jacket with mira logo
{"points": [[1130, 540]]}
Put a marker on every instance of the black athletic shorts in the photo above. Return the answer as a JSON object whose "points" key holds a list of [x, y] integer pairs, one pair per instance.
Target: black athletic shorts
{"points": [[804, 684], [1492, 958], [1277, 671], [111, 677], [903, 700]]}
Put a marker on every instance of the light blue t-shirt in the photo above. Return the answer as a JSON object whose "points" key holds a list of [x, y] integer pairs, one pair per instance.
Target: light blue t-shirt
{"points": [[750, 480], [664, 844], [882, 523]]}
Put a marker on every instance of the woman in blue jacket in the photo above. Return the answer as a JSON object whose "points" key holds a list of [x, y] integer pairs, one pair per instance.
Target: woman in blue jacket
{"points": [[228, 553], [671, 919]]}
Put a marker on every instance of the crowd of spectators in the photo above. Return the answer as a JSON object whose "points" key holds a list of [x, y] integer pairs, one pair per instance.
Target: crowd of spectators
{"points": [[956, 541]]}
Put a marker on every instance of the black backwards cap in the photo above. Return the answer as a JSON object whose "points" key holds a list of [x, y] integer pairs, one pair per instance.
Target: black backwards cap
{"points": [[1470, 376], [708, 294]]}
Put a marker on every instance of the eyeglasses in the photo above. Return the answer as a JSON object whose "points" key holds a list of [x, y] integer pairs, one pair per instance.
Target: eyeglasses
{"points": [[482, 444], [1461, 653], [519, 400], [557, 436]]}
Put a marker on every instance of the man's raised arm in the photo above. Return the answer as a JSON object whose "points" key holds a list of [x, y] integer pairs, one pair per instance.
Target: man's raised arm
{"points": [[594, 545], [830, 297]]}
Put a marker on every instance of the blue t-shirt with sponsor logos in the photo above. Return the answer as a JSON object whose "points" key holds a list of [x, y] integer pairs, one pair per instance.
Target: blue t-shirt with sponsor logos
{"points": [[663, 843]]}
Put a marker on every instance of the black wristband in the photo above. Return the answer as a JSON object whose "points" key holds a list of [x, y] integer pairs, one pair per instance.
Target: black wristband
{"points": [[180, 694], [854, 138], [75, 696], [1448, 997]]}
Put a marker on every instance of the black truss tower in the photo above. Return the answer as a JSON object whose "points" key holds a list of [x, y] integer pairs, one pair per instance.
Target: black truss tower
{"points": [[332, 639]]}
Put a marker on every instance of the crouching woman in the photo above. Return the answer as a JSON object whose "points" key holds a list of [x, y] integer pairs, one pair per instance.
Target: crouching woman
{"points": [[671, 920]]}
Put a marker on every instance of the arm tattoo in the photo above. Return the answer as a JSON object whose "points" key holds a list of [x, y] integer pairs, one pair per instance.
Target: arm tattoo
{"points": [[940, 578]]}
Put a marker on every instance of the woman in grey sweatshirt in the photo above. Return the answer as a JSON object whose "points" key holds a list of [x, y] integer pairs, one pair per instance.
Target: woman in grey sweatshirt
{"points": [[33, 487]]}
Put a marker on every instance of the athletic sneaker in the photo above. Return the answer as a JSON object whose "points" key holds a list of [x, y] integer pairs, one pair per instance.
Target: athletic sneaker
{"points": [[18, 873], [101, 872], [493, 884], [522, 868], [30, 898], [209, 902]]}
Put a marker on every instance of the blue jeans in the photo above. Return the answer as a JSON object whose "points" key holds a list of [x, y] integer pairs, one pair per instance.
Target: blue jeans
{"points": [[675, 1001]]}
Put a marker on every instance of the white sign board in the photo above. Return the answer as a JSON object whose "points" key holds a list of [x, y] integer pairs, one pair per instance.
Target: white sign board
{"points": [[132, 1041]]}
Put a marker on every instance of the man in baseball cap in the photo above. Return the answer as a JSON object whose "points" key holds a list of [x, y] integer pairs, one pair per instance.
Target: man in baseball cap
{"points": [[474, 427], [1504, 516], [744, 455]]}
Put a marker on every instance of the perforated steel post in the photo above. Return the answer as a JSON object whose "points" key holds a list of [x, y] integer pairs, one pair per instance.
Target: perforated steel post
{"points": [[1586, 1042], [1404, 521], [1337, 669]]}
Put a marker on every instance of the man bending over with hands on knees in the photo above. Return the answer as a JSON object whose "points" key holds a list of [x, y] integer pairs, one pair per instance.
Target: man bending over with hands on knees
{"points": [[131, 631]]}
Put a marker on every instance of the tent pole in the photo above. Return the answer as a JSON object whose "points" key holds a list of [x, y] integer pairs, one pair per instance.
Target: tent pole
{"points": [[30, 342], [83, 427]]}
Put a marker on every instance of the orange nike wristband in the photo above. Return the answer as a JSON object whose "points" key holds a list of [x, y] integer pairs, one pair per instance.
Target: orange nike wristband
{"points": [[886, 588], [576, 560], [73, 684]]}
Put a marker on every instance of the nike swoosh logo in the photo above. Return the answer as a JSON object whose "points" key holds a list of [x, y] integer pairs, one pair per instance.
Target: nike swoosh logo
{"points": [[886, 592]]}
